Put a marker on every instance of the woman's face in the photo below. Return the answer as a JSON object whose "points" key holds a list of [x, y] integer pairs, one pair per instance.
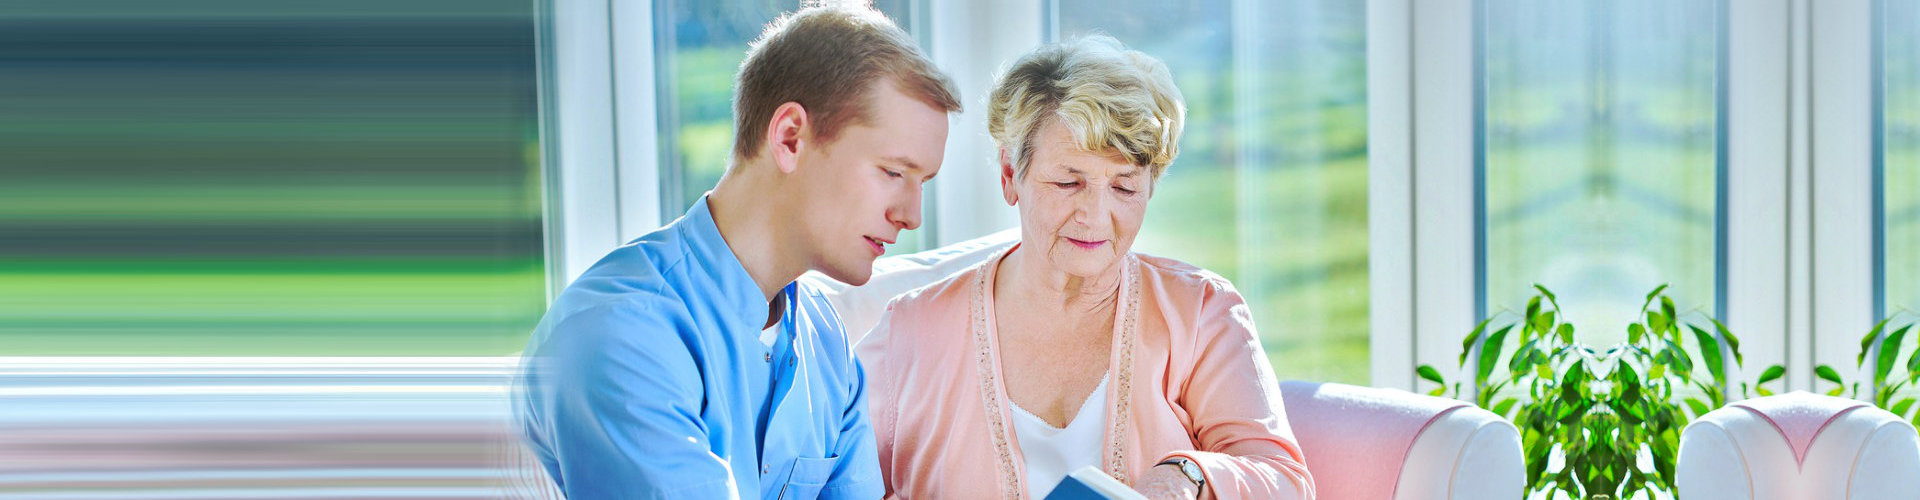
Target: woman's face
{"points": [[1080, 209]]}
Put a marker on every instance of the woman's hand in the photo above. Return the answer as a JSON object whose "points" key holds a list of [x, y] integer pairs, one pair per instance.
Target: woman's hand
{"points": [[1166, 482]]}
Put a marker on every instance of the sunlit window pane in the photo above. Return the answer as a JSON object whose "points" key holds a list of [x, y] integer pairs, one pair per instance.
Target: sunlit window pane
{"points": [[703, 42], [1600, 174], [1270, 189], [197, 177], [1902, 161]]}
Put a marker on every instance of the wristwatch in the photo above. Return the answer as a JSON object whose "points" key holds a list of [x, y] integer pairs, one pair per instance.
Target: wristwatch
{"points": [[1190, 469]]}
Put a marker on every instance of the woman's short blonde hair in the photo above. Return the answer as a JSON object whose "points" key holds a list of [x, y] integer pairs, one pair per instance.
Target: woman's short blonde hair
{"points": [[1112, 99]]}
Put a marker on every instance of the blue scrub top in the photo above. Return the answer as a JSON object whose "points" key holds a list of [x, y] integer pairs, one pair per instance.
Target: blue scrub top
{"points": [[647, 379]]}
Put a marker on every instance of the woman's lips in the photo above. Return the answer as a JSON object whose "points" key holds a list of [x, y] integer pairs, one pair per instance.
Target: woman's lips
{"points": [[878, 249], [1087, 244]]}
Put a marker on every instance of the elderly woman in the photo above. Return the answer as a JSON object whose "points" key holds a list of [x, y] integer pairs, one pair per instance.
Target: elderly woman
{"points": [[1067, 350]]}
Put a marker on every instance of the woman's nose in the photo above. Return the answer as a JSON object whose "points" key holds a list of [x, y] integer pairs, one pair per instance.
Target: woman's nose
{"points": [[1089, 205]]}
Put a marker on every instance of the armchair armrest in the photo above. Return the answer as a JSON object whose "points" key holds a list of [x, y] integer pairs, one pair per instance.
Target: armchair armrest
{"points": [[1384, 444], [1798, 445]]}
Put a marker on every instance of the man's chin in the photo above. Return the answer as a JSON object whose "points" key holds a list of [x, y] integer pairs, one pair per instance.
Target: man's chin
{"points": [[860, 276]]}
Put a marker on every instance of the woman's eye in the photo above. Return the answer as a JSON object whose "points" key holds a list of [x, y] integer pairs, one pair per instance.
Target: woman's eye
{"points": [[1066, 185], [891, 173], [1123, 190]]}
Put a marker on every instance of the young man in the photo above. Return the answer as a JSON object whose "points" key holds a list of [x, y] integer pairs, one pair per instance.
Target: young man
{"points": [[688, 363]]}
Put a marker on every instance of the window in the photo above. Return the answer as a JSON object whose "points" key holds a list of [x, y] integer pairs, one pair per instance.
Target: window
{"points": [[353, 177], [701, 45], [1270, 189], [1900, 164], [1600, 169]]}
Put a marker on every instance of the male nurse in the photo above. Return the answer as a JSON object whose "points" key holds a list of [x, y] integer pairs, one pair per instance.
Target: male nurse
{"points": [[689, 363]]}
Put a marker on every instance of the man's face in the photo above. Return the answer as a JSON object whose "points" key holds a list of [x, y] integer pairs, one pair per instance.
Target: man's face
{"points": [[863, 187]]}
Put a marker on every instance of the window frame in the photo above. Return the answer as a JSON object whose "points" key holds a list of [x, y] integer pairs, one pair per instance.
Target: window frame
{"points": [[580, 143], [1843, 298], [1437, 130]]}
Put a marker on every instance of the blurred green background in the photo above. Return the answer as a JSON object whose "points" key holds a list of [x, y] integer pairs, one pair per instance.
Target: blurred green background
{"points": [[1600, 163], [201, 177]]}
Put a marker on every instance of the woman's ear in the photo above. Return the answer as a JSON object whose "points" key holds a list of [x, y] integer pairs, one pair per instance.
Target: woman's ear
{"points": [[1007, 181], [788, 135]]}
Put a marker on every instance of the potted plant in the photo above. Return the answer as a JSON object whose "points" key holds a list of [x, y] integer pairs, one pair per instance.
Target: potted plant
{"points": [[1599, 423]]}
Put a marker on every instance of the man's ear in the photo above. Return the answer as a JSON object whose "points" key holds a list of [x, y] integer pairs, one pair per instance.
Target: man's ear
{"points": [[1006, 179], [788, 135]]}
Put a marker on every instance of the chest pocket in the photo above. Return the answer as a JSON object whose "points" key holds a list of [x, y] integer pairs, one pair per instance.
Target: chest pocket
{"points": [[806, 478]]}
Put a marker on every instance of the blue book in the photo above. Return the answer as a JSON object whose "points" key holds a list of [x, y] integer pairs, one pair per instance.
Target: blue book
{"points": [[1088, 483]]}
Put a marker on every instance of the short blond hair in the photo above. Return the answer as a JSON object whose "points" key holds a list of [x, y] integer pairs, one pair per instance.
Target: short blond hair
{"points": [[827, 57], [1111, 98]]}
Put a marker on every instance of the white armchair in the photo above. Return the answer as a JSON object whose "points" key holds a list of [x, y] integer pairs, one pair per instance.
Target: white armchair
{"points": [[1799, 446]]}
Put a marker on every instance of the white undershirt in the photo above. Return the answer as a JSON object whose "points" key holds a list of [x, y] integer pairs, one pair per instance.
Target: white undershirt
{"points": [[1053, 452], [770, 334]]}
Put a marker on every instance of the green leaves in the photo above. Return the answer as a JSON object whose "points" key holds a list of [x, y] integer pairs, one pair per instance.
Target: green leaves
{"points": [[1466, 346], [1733, 342], [1490, 354], [1889, 353], [1533, 308], [1543, 323], [1431, 374], [1866, 343], [1900, 408], [1913, 367], [1772, 373], [1598, 410], [1676, 358], [1658, 323], [1548, 293], [1666, 308], [1883, 385], [1699, 408], [1522, 360], [1573, 384], [1710, 353], [1827, 373], [1504, 405]]}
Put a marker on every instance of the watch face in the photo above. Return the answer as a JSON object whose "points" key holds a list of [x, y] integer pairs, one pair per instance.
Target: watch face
{"points": [[1192, 471]]}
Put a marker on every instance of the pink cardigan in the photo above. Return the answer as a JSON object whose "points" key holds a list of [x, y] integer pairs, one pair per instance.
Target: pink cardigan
{"points": [[1189, 379]]}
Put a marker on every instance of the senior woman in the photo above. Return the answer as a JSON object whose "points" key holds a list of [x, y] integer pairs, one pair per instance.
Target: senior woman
{"points": [[1068, 350]]}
